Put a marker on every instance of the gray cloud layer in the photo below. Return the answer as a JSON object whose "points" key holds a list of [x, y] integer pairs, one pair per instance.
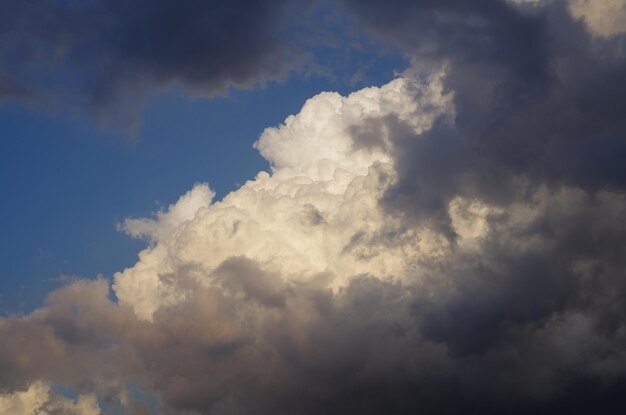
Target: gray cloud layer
{"points": [[518, 308]]}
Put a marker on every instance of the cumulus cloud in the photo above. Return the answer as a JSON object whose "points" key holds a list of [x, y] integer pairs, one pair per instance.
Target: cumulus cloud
{"points": [[452, 241], [317, 213], [299, 293]]}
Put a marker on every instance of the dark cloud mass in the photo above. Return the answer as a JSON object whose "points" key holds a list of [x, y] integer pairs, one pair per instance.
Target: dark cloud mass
{"points": [[109, 53], [539, 123], [527, 318], [536, 95]]}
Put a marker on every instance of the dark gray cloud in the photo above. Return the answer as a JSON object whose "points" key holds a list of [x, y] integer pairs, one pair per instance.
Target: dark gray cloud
{"points": [[107, 53], [539, 122], [536, 95]]}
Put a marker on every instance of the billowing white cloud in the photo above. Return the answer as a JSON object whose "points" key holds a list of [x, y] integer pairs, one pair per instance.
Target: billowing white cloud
{"points": [[316, 214]]}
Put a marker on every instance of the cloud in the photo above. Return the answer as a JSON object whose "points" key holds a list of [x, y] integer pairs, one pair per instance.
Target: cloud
{"points": [[106, 55], [315, 211], [298, 293], [38, 399], [603, 18], [536, 102], [452, 241]]}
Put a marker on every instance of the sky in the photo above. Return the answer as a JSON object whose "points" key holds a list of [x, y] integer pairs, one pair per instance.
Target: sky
{"points": [[303, 207]]}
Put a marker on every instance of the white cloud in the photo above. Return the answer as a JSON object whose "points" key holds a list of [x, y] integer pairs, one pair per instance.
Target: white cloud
{"points": [[316, 213], [166, 222]]}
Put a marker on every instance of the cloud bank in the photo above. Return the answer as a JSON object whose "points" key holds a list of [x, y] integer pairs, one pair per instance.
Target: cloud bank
{"points": [[451, 242]]}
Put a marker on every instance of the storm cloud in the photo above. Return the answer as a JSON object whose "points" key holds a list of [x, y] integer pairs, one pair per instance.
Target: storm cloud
{"points": [[451, 242]]}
